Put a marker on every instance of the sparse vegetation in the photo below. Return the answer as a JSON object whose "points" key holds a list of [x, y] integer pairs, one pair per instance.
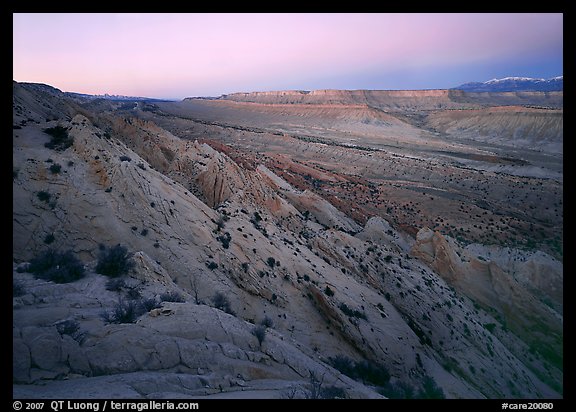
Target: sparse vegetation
{"points": [[271, 262], [260, 332], [58, 267], [125, 158], [267, 322], [225, 240], [55, 168], [364, 371], [115, 284], [60, 140], [114, 262], [220, 301], [124, 312], [172, 296], [353, 313], [43, 196], [328, 291]]}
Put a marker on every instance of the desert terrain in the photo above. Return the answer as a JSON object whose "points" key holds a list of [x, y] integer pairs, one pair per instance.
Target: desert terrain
{"points": [[417, 231]]}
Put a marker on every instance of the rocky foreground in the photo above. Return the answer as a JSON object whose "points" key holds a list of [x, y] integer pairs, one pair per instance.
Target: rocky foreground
{"points": [[244, 250]]}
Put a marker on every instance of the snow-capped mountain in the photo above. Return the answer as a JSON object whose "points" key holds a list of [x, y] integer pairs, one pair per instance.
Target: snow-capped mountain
{"points": [[515, 84]]}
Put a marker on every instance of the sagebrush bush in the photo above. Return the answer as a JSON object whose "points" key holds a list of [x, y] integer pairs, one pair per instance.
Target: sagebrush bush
{"points": [[57, 267], [368, 372], [260, 333], [124, 312], [60, 140], [55, 168], [220, 301], [43, 196], [172, 296], [267, 322], [114, 262]]}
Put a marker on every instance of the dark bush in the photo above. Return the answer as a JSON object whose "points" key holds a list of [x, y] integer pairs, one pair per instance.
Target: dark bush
{"points": [[68, 327], [367, 372], [57, 267], [151, 303], [125, 158], [60, 140], [55, 168], [43, 196], [220, 301], [212, 265], [260, 333], [430, 390], [49, 238], [333, 392], [124, 312], [398, 390], [18, 288], [172, 296], [144, 232], [267, 322], [115, 284], [225, 240], [114, 262], [352, 312], [271, 262], [328, 291], [133, 293]]}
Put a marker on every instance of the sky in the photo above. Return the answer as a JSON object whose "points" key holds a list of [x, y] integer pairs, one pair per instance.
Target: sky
{"points": [[174, 56]]}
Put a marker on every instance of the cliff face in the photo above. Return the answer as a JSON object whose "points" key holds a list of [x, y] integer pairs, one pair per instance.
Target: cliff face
{"points": [[402, 99]]}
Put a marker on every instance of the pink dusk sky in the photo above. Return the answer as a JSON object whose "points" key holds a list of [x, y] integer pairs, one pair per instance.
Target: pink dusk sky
{"points": [[181, 55]]}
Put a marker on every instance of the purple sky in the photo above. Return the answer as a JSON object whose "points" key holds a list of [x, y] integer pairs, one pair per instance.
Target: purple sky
{"points": [[181, 55]]}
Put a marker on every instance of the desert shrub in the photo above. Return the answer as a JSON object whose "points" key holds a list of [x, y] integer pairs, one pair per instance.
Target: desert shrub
{"points": [[57, 267], [114, 262], [43, 196], [220, 301], [49, 238], [133, 293], [267, 322], [151, 303], [271, 262], [225, 240], [368, 372], [245, 267], [430, 390], [172, 296], [68, 327], [55, 168], [352, 312], [144, 232], [60, 140], [372, 372], [115, 284], [398, 390], [333, 392], [212, 265], [141, 166], [328, 291], [260, 333], [125, 158], [18, 288], [124, 312]]}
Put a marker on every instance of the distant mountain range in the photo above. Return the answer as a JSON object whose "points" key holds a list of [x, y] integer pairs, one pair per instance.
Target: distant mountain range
{"points": [[112, 97], [515, 84]]}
